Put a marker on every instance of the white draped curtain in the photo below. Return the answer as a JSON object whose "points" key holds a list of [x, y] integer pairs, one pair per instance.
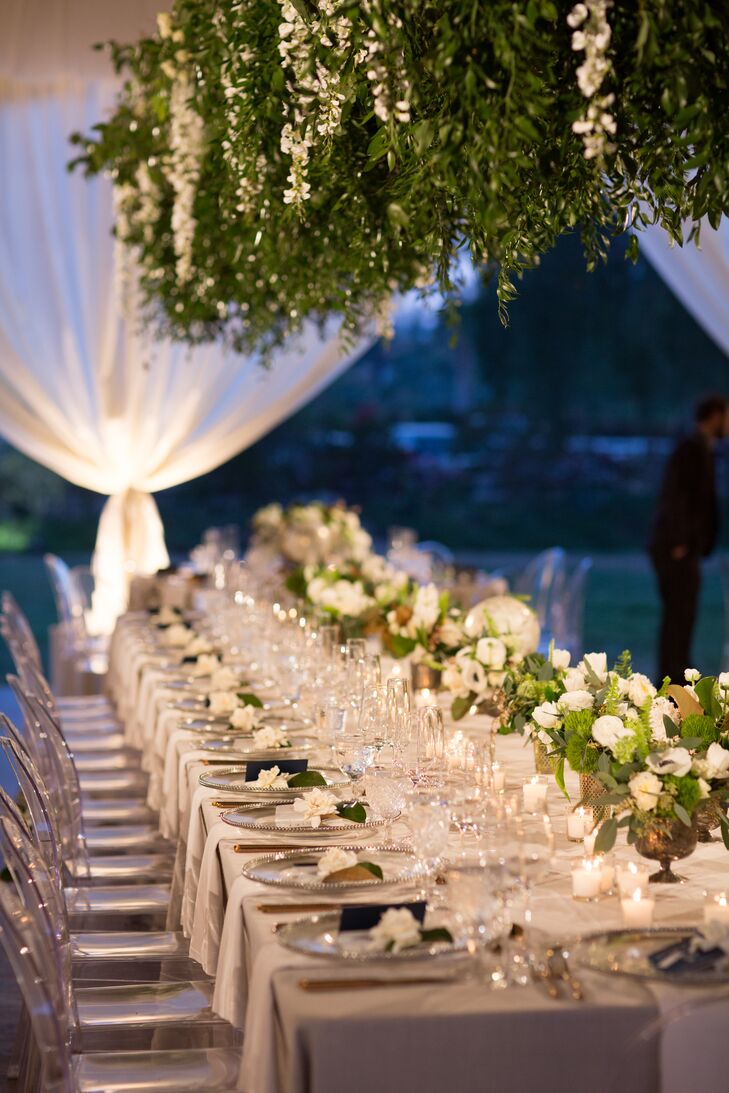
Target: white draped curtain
{"points": [[93, 396]]}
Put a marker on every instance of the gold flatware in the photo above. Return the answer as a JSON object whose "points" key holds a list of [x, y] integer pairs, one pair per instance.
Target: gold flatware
{"points": [[296, 908], [316, 985], [266, 848], [557, 962], [232, 804], [542, 974]]}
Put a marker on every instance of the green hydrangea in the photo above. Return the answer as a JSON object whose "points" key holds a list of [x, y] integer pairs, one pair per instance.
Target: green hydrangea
{"points": [[625, 749]]}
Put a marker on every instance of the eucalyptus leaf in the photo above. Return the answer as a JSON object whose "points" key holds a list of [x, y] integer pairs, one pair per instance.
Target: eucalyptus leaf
{"points": [[606, 835], [682, 814], [460, 707]]}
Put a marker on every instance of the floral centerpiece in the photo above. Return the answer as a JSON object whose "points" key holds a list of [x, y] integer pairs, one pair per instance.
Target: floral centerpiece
{"points": [[496, 635], [357, 593], [314, 534]]}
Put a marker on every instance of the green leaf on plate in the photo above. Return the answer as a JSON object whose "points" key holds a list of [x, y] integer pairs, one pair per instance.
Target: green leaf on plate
{"points": [[437, 934], [372, 868], [353, 811], [250, 700], [307, 778]]}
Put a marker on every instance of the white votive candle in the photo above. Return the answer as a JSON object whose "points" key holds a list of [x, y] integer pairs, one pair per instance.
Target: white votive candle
{"points": [[576, 824], [638, 910], [607, 875], [586, 878], [588, 840], [498, 778], [535, 794], [631, 876], [716, 908]]}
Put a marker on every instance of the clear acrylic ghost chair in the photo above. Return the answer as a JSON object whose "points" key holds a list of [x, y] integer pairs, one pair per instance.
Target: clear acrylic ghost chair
{"points": [[65, 1071], [55, 815], [568, 608], [536, 581], [93, 906], [118, 955]]}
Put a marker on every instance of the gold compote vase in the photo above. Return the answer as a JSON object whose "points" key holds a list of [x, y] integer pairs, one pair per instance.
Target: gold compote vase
{"points": [[666, 841], [708, 817]]}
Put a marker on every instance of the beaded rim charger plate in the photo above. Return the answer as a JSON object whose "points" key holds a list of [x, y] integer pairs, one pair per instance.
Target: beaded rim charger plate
{"points": [[234, 778], [628, 952], [296, 869], [319, 936], [263, 818], [245, 747]]}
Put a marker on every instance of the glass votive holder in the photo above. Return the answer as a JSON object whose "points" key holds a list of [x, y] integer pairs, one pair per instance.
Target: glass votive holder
{"points": [[631, 876], [534, 794], [716, 907], [587, 879], [638, 910], [498, 777], [577, 823]]}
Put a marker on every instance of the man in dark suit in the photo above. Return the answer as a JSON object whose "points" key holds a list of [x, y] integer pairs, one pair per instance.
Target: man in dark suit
{"points": [[685, 530]]}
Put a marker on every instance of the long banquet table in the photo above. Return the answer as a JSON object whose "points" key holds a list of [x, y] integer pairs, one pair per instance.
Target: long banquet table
{"points": [[625, 1035]]}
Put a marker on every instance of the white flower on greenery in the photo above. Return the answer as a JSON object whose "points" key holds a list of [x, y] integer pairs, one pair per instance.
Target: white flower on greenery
{"points": [[450, 633], [714, 765], [334, 859], [670, 761], [608, 730], [474, 676], [397, 929], [507, 618], [594, 665], [560, 659], [245, 718], [271, 779], [426, 608], [491, 652], [316, 804], [224, 679], [645, 789], [723, 681], [640, 689], [164, 24], [660, 708], [452, 680], [576, 700], [692, 675], [548, 715], [575, 680], [268, 737], [187, 142], [222, 703]]}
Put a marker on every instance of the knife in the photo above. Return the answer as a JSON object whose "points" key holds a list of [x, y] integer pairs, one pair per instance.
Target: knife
{"points": [[296, 908], [316, 985]]}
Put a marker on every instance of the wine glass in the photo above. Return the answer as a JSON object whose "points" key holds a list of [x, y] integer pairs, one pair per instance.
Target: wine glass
{"points": [[429, 820], [386, 793], [429, 741], [353, 754], [399, 705]]}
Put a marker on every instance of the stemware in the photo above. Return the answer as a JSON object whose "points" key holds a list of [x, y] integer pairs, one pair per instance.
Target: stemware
{"points": [[429, 821], [353, 754], [477, 904], [399, 705], [429, 741], [386, 793]]}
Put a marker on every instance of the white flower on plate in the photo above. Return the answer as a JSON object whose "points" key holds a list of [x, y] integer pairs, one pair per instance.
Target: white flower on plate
{"points": [[660, 708], [608, 729], [316, 804], [270, 736], [197, 646], [560, 659], [548, 715], [166, 616], [271, 779], [177, 636], [224, 679], [594, 664], [334, 859], [640, 689], [207, 664], [670, 761], [397, 929], [574, 680], [576, 700], [246, 718], [222, 703], [692, 675], [713, 765], [645, 788], [491, 652]]}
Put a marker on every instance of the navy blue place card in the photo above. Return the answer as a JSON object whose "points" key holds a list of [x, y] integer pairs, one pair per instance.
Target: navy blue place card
{"points": [[363, 916], [678, 958], [286, 766]]}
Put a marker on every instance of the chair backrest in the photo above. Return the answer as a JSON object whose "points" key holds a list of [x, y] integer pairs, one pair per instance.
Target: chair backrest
{"points": [[50, 1028], [568, 607], [69, 604], [41, 812], [20, 628], [537, 579]]}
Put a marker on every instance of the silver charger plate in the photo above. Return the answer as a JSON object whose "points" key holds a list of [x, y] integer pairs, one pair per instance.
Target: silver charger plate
{"points": [[263, 818], [233, 778], [319, 936], [297, 869], [627, 952], [244, 746]]}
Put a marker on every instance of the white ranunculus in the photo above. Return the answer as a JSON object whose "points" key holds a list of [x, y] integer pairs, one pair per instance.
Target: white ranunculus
{"points": [[723, 681], [640, 689], [270, 736], [574, 680], [608, 729], [491, 652], [595, 664], [271, 779], [452, 680], [660, 708], [561, 659], [717, 762], [177, 636], [507, 618], [576, 700], [397, 929], [334, 859], [670, 761], [316, 804], [645, 788], [246, 718], [426, 608], [224, 679], [222, 703], [548, 715], [692, 675]]}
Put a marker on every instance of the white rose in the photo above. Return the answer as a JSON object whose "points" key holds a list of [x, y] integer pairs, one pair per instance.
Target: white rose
{"points": [[397, 929], [608, 729], [576, 700], [548, 715], [574, 680], [315, 804], [271, 779], [660, 708], [335, 859], [177, 636], [246, 718], [224, 679], [645, 789], [640, 689], [723, 681], [206, 664], [692, 675], [491, 652], [452, 680], [670, 761], [717, 762], [450, 633], [269, 737], [595, 664], [561, 659], [222, 703]]}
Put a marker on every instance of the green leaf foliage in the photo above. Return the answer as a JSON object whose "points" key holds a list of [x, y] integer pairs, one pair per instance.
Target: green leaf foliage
{"points": [[581, 755], [353, 811], [306, 778], [250, 699], [705, 692], [372, 868], [704, 729], [460, 707], [606, 836]]}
